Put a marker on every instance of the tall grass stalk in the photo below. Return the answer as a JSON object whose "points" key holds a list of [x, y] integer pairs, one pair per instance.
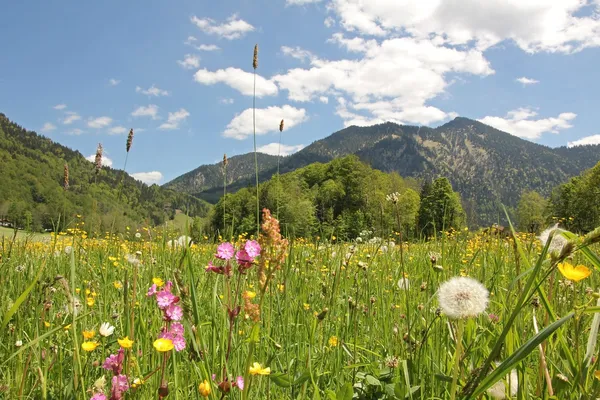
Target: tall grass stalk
{"points": [[254, 66]]}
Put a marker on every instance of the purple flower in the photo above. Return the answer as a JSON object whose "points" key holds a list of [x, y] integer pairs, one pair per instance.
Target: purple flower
{"points": [[119, 385], [252, 248], [168, 286], [165, 298], [151, 291], [99, 396], [166, 335], [225, 251], [176, 328], [174, 313], [114, 363], [178, 342]]}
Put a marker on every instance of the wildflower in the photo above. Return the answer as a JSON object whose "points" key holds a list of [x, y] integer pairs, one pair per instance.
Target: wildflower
{"points": [[243, 259], [403, 283], [239, 382], [158, 282], [225, 251], [174, 313], [47, 324], [20, 268], [597, 374], [250, 294], [498, 390], [574, 273], [162, 345], [252, 248], [106, 329], [98, 396], [212, 268], [119, 385], [90, 301], [558, 240], [99, 384], [125, 343], [204, 388], [88, 334], [68, 249], [137, 382], [257, 369], [333, 341], [89, 346], [19, 343], [164, 299], [306, 306], [462, 297], [151, 291], [114, 362], [118, 285]]}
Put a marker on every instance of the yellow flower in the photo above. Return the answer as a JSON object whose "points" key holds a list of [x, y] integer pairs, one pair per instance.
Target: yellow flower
{"points": [[306, 306], [67, 327], [47, 324], [90, 301], [88, 334], [117, 285], [158, 282], [333, 341], [163, 345], [125, 343], [204, 388], [281, 287], [137, 382], [250, 295], [257, 369], [89, 346], [574, 273], [597, 374]]}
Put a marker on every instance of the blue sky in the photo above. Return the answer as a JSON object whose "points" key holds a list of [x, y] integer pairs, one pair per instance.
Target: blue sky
{"points": [[180, 72]]}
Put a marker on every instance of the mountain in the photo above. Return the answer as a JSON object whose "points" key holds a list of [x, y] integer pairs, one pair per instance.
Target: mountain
{"points": [[486, 166], [32, 188]]}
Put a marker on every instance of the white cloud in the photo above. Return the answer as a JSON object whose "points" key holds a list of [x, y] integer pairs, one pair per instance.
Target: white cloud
{"points": [[48, 127], [300, 2], [237, 79], [75, 132], [226, 101], [390, 80], [324, 99], [107, 162], [329, 22], [274, 149], [117, 130], [595, 139], [149, 178], [60, 106], [267, 120], [297, 53], [520, 123], [234, 28], [191, 41], [190, 61], [113, 82], [71, 117], [152, 91], [148, 111], [175, 118], [527, 81], [100, 122], [534, 25]]}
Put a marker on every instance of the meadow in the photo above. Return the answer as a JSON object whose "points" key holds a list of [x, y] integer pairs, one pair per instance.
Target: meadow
{"points": [[137, 316]]}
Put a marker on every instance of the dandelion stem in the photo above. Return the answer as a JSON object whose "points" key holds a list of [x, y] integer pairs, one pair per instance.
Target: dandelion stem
{"points": [[460, 326]]}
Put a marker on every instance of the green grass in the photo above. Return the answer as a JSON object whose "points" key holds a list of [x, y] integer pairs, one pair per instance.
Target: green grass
{"points": [[373, 340], [9, 232]]}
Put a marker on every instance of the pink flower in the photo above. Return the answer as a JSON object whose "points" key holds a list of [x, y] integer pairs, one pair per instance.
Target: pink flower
{"points": [[174, 313], [178, 342], [165, 298], [98, 396], [114, 363], [176, 328], [212, 268], [252, 248], [151, 291], [119, 385], [243, 259], [168, 286], [239, 382], [225, 251]]}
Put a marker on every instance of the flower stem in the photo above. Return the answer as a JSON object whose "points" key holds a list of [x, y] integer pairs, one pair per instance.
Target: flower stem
{"points": [[460, 326]]}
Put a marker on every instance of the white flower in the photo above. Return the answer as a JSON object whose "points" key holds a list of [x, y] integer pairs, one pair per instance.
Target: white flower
{"points": [[100, 384], [393, 197], [138, 235], [68, 249], [106, 329], [184, 241], [19, 343], [558, 240], [462, 297], [20, 268], [403, 283], [498, 390], [133, 260]]}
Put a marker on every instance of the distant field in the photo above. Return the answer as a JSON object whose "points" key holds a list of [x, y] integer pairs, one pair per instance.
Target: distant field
{"points": [[8, 234]]}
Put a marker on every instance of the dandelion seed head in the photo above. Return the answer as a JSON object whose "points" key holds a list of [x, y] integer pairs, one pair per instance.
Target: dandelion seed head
{"points": [[462, 297], [498, 390], [558, 240]]}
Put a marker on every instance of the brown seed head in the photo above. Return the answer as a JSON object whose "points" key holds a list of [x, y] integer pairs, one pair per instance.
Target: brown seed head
{"points": [[129, 139], [281, 126], [66, 177], [225, 161], [98, 159], [255, 59]]}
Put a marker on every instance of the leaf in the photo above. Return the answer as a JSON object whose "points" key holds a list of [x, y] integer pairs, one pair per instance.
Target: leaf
{"points": [[371, 380], [346, 392], [305, 376], [330, 394], [523, 351], [254, 334], [282, 380], [22, 298]]}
